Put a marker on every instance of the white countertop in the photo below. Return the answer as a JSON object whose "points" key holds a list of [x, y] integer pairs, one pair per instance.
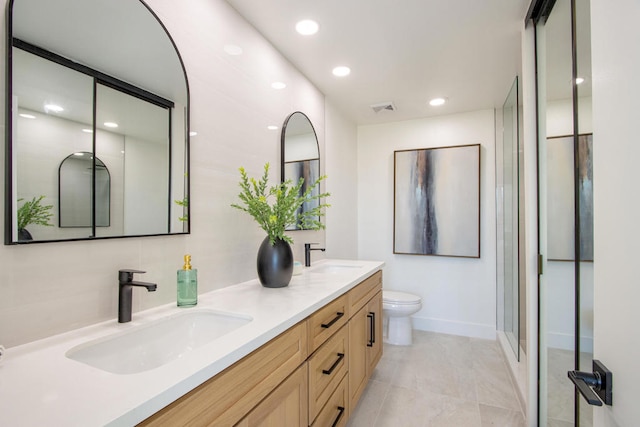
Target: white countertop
{"points": [[40, 386]]}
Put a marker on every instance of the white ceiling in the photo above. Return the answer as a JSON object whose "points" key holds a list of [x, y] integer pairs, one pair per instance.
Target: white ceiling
{"points": [[405, 52]]}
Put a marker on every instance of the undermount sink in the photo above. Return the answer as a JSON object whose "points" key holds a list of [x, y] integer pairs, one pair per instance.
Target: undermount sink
{"points": [[334, 268], [149, 346]]}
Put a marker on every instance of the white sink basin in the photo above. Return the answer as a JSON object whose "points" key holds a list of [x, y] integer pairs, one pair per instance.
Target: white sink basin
{"points": [[334, 268], [149, 346]]}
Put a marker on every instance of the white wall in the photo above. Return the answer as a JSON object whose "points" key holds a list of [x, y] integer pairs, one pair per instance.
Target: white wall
{"points": [[458, 294], [616, 105], [341, 167], [50, 288], [145, 187]]}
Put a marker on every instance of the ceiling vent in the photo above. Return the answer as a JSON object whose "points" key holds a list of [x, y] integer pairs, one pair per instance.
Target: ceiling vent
{"points": [[388, 106]]}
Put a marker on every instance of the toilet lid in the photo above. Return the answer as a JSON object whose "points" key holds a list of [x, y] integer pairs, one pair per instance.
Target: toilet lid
{"points": [[396, 297]]}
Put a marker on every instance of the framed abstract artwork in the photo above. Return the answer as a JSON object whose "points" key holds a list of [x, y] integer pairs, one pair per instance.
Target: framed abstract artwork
{"points": [[437, 201], [561, 197]]}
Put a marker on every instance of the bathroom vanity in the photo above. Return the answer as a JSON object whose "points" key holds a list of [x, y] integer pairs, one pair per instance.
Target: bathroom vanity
{"points": [[302, 355]]}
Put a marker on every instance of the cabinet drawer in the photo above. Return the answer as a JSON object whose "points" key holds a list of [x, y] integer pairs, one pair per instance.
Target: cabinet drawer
{"points": [[327, 367], [229, 396], [362, 294], [336, 411], [286, 406], [326, 321]]}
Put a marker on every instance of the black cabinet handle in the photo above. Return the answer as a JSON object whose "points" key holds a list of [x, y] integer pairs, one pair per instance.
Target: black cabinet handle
{"points": [[372, 329], [340, 413], [334, 366], [334, 320]]}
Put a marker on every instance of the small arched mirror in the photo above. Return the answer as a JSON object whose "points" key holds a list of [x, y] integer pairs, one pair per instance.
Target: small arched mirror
{"points": [[300, 155], [76, 186]]}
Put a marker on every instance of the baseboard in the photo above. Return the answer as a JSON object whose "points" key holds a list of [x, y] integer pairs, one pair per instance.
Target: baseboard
{"points": [[517, 369], [442, 326]]}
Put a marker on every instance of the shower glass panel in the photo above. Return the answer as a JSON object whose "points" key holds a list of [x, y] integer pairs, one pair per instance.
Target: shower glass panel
{"points": [[556, 215], [510, 175], [584, 180]]}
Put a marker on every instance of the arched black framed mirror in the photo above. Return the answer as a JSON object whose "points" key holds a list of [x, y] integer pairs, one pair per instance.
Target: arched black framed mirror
{"points": [[107, 79], [76, 186], [300, 155]]}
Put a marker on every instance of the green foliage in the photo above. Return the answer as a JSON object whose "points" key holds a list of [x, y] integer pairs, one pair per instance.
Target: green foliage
{"points": [[274, 208], [184, 203], [33, 212]]}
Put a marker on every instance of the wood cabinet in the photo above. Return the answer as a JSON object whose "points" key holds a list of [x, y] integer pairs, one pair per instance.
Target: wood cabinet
{"points": [[286, 406], [312, 374], [327, 367], [226, 398], [336, 412], [326, 321], [365, 336]]}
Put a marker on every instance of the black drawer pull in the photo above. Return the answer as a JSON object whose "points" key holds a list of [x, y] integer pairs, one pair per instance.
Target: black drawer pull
{"points": [[372, 330], [340, 412], [334, 320], [334, 366]]}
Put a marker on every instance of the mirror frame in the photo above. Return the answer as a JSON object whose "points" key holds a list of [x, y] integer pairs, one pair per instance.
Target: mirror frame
{"points": [[283, 145], [9, 149]]}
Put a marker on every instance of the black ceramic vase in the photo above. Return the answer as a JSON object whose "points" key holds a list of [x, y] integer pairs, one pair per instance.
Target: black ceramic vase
{"points": [[24, 235], [275, 263]]}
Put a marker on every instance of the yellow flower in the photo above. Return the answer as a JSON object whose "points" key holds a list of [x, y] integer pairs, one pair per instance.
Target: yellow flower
{"points": [[263, 199], [273, 219]]}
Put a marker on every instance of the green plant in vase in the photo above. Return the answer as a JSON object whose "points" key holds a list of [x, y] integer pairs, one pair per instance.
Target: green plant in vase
{"points": [[275, 208], [33, 212]]}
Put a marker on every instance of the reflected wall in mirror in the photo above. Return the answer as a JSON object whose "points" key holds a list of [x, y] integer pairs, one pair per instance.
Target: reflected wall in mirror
{"points": [[300, 157], [107, 81]]}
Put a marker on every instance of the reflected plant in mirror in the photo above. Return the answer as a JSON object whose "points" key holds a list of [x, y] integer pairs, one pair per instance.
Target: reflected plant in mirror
{"points": [[276, 207], [33, 212], [300, 160], [111, 90]]}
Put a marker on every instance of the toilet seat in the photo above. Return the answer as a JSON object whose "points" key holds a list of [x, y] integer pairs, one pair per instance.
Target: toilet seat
{"points": [[400, 298]]}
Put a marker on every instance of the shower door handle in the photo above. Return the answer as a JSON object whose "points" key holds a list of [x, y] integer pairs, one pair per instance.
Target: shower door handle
{"points": [[594, 387]]}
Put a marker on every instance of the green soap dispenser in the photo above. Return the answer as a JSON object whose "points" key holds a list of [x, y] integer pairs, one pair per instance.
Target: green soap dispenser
{"points": [[187, 284]]}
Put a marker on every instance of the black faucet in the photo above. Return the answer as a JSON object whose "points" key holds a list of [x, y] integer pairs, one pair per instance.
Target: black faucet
{"points": [[307, 253], [125, 279]]}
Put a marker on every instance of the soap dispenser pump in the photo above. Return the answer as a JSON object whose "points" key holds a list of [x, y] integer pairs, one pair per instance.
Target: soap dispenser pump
{"points": [[187, 284]]}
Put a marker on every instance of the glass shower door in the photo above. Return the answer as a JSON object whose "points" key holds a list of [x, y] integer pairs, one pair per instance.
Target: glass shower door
{"points": [[510, 217], [565, 211]]}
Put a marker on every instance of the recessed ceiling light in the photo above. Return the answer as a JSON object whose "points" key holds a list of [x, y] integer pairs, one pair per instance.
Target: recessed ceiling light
{"points": [[579, 80], [193, 133], [278, 85], [27, 116], [87, 130], [111, 124], [307, 27], [54, 108], [272, 127], [341, 71], [233, 50], [436, 102]]}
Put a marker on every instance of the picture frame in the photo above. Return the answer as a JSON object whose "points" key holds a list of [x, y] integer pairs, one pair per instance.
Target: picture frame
{"points": [[437, 201]]}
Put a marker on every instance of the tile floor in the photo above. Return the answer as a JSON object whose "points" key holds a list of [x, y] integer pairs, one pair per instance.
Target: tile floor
{"points": [[441, 380]]}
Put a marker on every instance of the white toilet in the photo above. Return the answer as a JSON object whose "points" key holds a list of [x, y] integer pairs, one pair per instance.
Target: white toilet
{"points": [[397, 308]]}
